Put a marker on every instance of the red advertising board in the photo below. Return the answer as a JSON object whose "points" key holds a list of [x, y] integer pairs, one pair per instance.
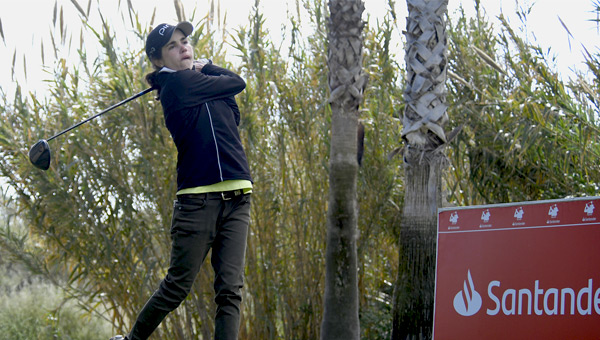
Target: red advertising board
{"points": [[526, 270]]}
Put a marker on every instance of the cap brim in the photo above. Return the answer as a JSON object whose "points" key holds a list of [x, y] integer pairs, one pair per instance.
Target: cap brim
{"points": [[186, 27]]}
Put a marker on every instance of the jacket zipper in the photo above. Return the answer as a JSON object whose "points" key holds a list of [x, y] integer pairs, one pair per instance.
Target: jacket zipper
{"points": [[215, 139]]}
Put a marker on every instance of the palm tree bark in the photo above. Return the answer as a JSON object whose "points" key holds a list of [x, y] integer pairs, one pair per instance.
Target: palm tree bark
{"points": [[423, 132], [346, 83]]}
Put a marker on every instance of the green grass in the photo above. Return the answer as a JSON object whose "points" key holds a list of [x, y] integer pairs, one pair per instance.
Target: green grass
{"points": [[34, 310]]}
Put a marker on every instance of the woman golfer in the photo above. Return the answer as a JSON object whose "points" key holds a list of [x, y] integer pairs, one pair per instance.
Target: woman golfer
{"points": [[212, 209]]}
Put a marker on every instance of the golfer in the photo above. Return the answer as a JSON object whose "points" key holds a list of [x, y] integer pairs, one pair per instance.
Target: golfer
{"points": [[212, 209]]}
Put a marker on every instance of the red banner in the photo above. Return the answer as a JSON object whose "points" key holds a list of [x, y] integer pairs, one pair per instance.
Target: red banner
{"points": [[519, 271]]}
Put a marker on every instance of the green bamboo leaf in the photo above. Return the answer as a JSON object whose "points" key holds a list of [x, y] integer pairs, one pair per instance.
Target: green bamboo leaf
{"points": [[14, 61], [70, 42], [153, 17], [25, 66], [130, 10], [211, 13], [54, 47], [489, 60], [79, 8], [62, 25], [179, 10], [2, 32], [566, 29], [55, 12]]}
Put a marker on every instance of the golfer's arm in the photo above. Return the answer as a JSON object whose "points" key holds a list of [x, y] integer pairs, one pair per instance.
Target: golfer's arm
{"points": [[234, 107], [216, 83], [214, 70]]}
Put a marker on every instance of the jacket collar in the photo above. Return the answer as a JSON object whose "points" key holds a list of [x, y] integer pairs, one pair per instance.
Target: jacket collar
{"points": [[167, 70]]}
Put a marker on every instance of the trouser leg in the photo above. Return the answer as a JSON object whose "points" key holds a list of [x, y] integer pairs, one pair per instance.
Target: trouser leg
{"points": [[192, 233], [228, 254]]}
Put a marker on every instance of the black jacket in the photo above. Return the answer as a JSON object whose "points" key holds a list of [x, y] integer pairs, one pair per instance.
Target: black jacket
{"points": [[202, 116]]}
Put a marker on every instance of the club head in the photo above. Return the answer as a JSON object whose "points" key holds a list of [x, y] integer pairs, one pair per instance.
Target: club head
{"points": [[39, 155]]}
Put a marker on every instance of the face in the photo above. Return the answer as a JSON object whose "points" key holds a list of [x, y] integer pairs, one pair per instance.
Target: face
{"points": [[177, 54]]}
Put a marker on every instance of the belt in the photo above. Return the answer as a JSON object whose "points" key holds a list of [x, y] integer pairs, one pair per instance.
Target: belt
{"points": [[222, 195]]}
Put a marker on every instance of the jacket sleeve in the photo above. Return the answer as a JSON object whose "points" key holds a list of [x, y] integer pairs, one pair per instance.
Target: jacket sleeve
{"points": [[213, 82], [234, 107]]}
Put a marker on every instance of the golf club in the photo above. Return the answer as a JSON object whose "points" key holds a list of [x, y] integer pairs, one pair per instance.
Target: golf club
{"points": [[39, 154]]}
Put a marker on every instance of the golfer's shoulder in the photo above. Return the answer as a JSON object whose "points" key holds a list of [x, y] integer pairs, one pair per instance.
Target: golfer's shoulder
{"points": [[179, 81], [183, 76], [214, 70]]}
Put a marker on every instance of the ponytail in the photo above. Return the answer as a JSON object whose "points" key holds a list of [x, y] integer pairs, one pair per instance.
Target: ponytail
{"points": [[153, 82]]}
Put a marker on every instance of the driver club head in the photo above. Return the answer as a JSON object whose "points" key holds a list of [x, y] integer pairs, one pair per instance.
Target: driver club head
{"points": [[39, 155]]}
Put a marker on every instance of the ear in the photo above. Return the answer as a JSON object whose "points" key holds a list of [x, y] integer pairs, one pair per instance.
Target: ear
{"points": [[158, 63]]}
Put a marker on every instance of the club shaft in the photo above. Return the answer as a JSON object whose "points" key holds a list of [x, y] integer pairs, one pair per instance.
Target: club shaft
{"points": [[101, 113]]}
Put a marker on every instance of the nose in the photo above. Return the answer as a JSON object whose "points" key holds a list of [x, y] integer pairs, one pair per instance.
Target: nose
{"points": [[185, 49]]}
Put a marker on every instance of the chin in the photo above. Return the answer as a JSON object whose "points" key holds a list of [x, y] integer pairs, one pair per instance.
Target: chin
{"points": [[187, 64]]}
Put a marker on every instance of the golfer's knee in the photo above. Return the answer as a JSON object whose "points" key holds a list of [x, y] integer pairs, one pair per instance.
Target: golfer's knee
{"points": [[174, 292], [228, 295]]}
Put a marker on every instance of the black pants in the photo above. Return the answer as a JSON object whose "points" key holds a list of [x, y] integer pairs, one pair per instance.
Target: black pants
{"points": [[201, 222]]}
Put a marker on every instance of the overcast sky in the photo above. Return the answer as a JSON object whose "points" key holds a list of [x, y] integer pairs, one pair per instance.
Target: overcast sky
{"points": [[26, 25]]}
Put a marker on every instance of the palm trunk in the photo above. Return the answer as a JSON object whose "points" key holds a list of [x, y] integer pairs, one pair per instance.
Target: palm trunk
{"points": [[424, 118], [346, 83], [414, 289]]}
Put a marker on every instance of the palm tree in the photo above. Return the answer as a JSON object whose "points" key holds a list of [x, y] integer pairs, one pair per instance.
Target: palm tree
{"points": [[346, 83], [424, 161]]}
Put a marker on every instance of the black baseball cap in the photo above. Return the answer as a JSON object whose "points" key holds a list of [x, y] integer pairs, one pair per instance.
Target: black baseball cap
{"points": [[161, 35]]}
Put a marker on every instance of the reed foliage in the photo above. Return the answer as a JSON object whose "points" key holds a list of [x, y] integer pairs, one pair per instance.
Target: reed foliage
{"points": [[97, 222]]}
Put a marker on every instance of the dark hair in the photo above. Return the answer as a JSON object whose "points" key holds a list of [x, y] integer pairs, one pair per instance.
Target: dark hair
{"points": [[151, 79]]}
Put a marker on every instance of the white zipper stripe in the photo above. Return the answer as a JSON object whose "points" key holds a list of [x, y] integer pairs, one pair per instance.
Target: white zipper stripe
{"points": [[215, 139]]}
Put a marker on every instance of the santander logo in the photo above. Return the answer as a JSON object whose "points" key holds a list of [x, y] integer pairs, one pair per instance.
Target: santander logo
{"points": [[533, 300], [468, 301], [589, 208]]}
